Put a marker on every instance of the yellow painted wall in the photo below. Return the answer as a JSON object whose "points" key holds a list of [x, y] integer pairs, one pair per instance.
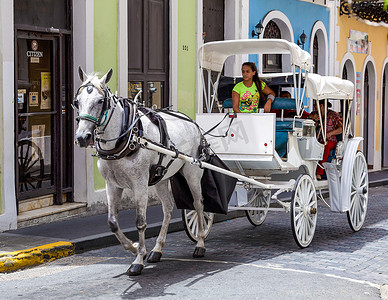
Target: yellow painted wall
{"points": [[378, 36]]}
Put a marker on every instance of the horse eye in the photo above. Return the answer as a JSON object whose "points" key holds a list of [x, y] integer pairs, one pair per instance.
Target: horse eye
{"points": [[76, 104]]}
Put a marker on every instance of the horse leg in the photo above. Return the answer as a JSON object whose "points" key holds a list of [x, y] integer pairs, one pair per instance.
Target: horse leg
{"points": [[193, 176], [114, 196], [167, 206], [141, 225]]}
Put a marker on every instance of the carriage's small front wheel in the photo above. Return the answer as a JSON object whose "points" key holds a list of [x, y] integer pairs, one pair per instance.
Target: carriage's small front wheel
{"points": [[304, 211], [190, 223], [261, 200], [359, 193]]}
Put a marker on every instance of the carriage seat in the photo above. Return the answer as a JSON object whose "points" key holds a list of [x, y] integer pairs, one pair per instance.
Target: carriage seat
{"points": [[278, 103], [281, 138]]}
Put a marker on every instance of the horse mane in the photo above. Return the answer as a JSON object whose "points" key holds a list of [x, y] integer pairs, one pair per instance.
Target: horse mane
{"points": [[93, 78]]}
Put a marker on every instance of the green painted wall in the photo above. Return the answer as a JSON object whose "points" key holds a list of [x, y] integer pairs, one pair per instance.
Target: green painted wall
{"points": [[187, 21], [105, 53]]}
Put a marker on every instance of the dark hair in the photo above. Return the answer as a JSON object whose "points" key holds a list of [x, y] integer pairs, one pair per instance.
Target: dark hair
{"points": [[323, 103], [285, 93], [255, 78]]}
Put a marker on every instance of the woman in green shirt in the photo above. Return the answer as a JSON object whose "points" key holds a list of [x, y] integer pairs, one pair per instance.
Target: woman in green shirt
{"points": [[247, 94]]}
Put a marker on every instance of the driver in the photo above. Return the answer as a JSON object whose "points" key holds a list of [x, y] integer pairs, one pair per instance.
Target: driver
{"points": [[247, 94], [333, 128]]}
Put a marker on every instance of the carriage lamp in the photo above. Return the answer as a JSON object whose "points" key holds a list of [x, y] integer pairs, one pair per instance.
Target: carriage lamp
{"points": [[302, 39], [258, 29]]}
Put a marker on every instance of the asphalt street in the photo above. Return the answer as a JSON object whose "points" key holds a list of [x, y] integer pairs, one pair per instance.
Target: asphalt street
{"points": [[241, 262]]}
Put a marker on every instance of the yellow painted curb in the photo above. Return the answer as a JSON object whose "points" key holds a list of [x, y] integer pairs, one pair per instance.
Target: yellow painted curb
{"points": [[16, 260]]}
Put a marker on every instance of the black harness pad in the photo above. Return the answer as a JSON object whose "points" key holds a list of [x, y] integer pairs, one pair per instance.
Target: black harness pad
{"points": [[157, 171], [217, 189]]}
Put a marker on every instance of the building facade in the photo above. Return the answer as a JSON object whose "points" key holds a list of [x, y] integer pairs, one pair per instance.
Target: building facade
{"points": [[151, 46], [43, 176], [362, 58]]}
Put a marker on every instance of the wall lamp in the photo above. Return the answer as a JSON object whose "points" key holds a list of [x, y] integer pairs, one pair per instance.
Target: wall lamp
{"points": [[302, 40], [258, 29]]}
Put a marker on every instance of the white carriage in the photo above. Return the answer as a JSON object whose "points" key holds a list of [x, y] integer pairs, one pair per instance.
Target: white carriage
{"points": [[251, 148]]}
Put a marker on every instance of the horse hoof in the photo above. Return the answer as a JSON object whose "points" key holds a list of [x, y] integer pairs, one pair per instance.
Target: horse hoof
{"points": [[154, 257], [135, 270], [199, 252]]}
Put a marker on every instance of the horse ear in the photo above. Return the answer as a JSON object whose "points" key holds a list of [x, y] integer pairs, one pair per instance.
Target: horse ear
{"points": [[105, 79], [82, 74]]}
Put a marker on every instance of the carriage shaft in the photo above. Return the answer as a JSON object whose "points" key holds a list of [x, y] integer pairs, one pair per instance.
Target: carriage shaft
{"points": [[151, 146]]}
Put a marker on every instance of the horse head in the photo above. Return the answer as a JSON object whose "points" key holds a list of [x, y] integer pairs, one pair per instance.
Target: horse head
{"points": [[93, 103]]}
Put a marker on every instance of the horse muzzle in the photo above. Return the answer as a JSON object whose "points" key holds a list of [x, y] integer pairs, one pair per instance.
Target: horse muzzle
{"points": [[83, 139]]}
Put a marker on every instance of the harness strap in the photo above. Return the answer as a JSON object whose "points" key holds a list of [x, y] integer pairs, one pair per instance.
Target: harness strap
{"points": [[158, 171]]}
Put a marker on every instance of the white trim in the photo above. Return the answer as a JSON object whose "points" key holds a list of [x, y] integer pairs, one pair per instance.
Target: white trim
{"points": [[382, 98], [287, 32], [122, 48], [83, 41], [8, 220], [236, 26], [349, 57], [320, 30], [371, 109], [173, 88], [198, 90]]}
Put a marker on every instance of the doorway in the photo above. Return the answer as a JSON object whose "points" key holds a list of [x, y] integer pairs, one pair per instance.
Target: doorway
{"points": [[148, 51], [384, 133], [369, 114], [43, 118]]}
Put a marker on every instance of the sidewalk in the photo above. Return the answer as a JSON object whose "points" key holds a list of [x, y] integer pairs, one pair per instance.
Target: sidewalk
{"points": [[42, 243]]}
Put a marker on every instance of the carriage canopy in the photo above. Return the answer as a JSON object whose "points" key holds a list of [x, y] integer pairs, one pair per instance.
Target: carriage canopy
{"points": [[212, 55], [328, 87]]}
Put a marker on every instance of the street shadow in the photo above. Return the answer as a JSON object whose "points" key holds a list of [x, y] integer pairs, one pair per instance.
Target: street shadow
{"points": [[236, 242]]}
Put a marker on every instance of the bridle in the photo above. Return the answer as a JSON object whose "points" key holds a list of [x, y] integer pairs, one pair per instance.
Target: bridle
{"points": [[127, 140], [106, 106]]}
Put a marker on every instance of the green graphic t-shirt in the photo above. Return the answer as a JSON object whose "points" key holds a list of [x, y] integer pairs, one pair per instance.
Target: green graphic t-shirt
{"points": [[249, 97]]}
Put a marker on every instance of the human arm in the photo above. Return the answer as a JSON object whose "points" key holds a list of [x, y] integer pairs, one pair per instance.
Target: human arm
{"points": [[267, 92], [338, 124], [335, 131], [236, 101]]}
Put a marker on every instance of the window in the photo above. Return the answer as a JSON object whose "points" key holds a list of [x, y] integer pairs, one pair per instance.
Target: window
{"points": [[315, 54], [272, 63]]}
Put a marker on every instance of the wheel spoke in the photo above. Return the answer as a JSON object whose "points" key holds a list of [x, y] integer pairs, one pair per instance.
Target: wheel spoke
{"points": [[189, 213], [194, 218]]}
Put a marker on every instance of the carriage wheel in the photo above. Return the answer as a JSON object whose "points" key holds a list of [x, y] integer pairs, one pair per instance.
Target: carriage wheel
{"points": [[257, 199], [190, 223], [359, 193], [31, 165], [304, 211]]}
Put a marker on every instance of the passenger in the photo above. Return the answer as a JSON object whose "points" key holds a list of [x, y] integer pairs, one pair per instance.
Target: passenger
{"points": [[250, 94], [334, 127], [285, 94]]}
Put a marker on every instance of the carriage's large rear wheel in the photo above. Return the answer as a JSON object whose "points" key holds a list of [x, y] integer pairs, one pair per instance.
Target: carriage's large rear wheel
{"points": [[190, 223], [359, 193], [256, 198], [304, 211]]}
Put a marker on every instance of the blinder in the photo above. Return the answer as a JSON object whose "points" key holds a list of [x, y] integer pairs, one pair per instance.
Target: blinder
{"points": [[100, 121]]}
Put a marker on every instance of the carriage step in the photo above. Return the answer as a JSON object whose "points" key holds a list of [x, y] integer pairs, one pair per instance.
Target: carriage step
{"points": [[50, 214]]}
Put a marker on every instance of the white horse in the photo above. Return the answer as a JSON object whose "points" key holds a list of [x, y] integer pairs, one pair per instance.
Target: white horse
{"points": [[100, 113]]}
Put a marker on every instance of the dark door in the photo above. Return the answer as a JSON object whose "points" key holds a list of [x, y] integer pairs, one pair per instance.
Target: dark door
{"points": [[384, 144], [213, 20], [44, 124], [213, 30], [148, 50], [366, 112]]}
